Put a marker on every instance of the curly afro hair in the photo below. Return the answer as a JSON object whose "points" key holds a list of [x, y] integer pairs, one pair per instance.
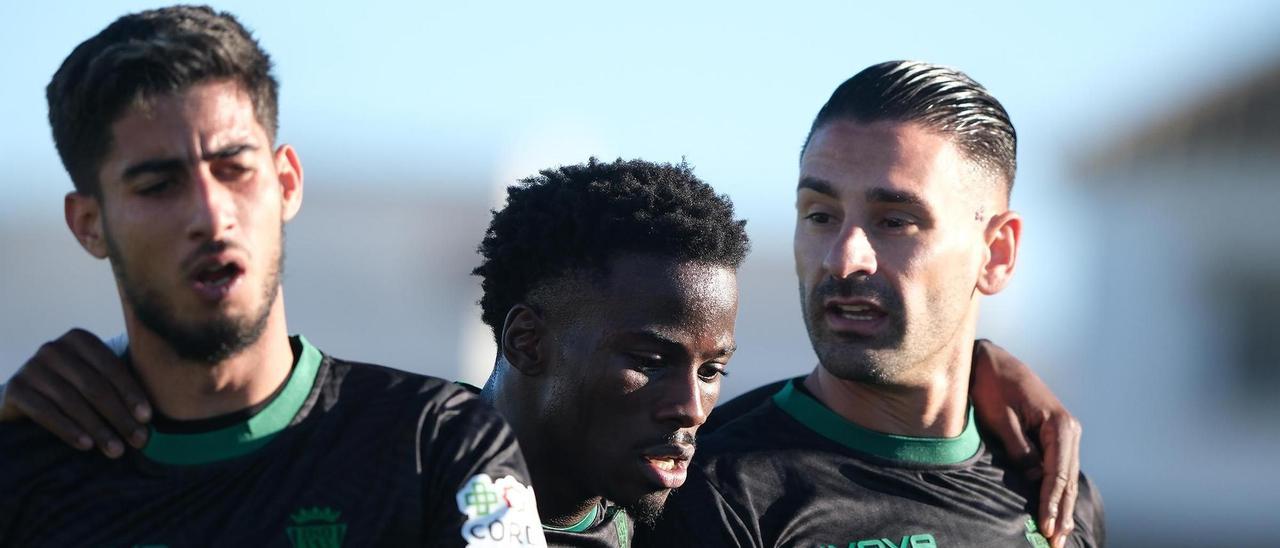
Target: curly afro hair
{"points": [[575, 219]]}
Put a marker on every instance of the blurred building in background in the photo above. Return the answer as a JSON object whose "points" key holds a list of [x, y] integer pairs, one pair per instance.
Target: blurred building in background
{"points": [[1187, 320]]}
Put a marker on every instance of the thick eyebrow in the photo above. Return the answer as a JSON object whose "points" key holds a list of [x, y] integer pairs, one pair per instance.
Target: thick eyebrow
{"points": [[894, 197], [169, 165], [162, 165], [817, 185], [878, 194]]}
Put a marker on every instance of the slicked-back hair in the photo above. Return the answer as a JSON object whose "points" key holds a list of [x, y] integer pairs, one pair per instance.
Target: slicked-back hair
{"points": [[939, 98], [574, 219], [144, 55]]}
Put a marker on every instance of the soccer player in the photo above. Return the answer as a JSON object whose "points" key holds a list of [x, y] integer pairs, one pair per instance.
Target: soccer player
{"points": [[165, 122], [611, 289], [903, 220]]}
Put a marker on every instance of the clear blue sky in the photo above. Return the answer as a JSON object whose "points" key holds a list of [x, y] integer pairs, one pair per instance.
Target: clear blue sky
{"points": [[381, 93]]}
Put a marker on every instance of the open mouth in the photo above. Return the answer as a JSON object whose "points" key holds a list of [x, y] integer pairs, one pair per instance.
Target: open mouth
{"points": [[667, 465], [213, 278], [857, 312], [859, 317]]}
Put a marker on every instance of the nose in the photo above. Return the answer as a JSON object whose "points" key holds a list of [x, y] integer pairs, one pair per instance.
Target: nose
{"points": [[685, 401], [851, 254], [213, 207]]}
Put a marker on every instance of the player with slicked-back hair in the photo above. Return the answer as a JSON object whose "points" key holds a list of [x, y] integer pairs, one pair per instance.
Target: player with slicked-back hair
{"points": [[902, 222], [942, 99]]}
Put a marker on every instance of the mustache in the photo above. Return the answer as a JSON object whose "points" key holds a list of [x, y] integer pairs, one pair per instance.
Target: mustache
{"points": [[855, 287], [209, 247], [676, 438]]}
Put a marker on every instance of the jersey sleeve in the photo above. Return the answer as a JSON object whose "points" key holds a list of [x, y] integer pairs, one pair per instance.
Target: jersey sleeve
{"points": [[475, 480], [697, 514]]}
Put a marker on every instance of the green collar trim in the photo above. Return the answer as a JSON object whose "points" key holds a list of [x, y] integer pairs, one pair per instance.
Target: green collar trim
{"points": [[583, 524], [245, 437], [827, 423]]}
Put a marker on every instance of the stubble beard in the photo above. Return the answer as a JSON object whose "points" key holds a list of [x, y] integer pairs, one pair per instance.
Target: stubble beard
{"points": [[209, 342], [648, 508], [880, 360]]}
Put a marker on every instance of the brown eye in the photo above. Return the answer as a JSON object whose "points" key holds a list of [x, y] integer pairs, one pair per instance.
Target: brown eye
{"points": [[819, 218], [156, 188], [711, 372], [231, 171]]}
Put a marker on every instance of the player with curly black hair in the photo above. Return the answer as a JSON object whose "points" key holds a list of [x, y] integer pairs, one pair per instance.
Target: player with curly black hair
{"points": [[611, 290]]}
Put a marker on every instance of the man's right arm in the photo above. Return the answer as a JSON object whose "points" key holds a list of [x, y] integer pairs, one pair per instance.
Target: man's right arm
{"points": [[81, 391]]}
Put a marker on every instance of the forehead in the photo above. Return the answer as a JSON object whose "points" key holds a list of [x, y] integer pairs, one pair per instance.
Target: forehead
{"points": [[851, 157], [204, 116], [657, 292]]}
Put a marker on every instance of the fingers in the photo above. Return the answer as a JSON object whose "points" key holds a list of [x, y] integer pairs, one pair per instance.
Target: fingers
{"points": [[1067, 504], [104, 381], [1060, 436], [67, 414], [1009, 429]]}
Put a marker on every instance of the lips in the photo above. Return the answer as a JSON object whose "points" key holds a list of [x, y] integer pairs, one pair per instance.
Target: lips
{"points": [[213, 277], [667, 465], [855, 316]]}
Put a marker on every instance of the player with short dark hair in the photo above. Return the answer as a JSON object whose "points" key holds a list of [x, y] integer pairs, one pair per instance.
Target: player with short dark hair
{"points": [[165, 121], [902, 221], [611, 290]]}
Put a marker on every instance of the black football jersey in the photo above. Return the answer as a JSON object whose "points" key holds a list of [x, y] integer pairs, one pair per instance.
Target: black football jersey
{"points": [[344, 454], [605, 527], [791, 472]]}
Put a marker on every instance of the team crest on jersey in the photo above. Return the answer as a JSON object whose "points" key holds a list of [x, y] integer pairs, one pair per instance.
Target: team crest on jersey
{"points": [[1033, 535], [317, 528], [499, 513]]}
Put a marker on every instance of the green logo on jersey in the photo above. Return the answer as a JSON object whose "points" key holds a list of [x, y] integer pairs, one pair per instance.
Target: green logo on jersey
{"points": [[481, 498], [1033, 535], [922, 540], [317, 528]]}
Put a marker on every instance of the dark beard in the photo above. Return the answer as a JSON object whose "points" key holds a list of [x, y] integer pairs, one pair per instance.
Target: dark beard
{"points": [[209, 343], [850, 357], [648, 509]]}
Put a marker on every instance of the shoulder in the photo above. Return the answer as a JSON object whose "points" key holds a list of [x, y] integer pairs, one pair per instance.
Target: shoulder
{"points": [[353, 385], [28, 450], [740, 405], [35, 464]]}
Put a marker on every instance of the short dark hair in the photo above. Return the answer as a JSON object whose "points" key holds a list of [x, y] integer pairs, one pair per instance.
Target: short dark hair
{"points": [[940, 98], [577, 218], [142, 55]]}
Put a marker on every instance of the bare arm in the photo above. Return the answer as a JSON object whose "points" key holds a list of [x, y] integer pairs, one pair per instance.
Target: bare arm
{"points": [[1035, 429], [79, 390]]}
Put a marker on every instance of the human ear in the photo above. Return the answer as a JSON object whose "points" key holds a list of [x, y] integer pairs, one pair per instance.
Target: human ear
{"points": [[289, 171], [1002, 236], [83, 213], [523, 334]]}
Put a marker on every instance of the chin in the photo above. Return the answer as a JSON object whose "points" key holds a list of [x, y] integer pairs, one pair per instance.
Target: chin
{"points": [[646, 509]]}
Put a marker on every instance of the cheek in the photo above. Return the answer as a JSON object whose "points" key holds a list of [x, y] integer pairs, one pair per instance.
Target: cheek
{"points": [[808, 255]]}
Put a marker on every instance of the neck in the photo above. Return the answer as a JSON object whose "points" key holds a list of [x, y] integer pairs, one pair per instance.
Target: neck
{"points": [[561, 498], [187, 390], [933, 407]]}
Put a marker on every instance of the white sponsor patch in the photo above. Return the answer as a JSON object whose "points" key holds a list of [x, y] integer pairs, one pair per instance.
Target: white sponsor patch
{"points": [[499, 513]]}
